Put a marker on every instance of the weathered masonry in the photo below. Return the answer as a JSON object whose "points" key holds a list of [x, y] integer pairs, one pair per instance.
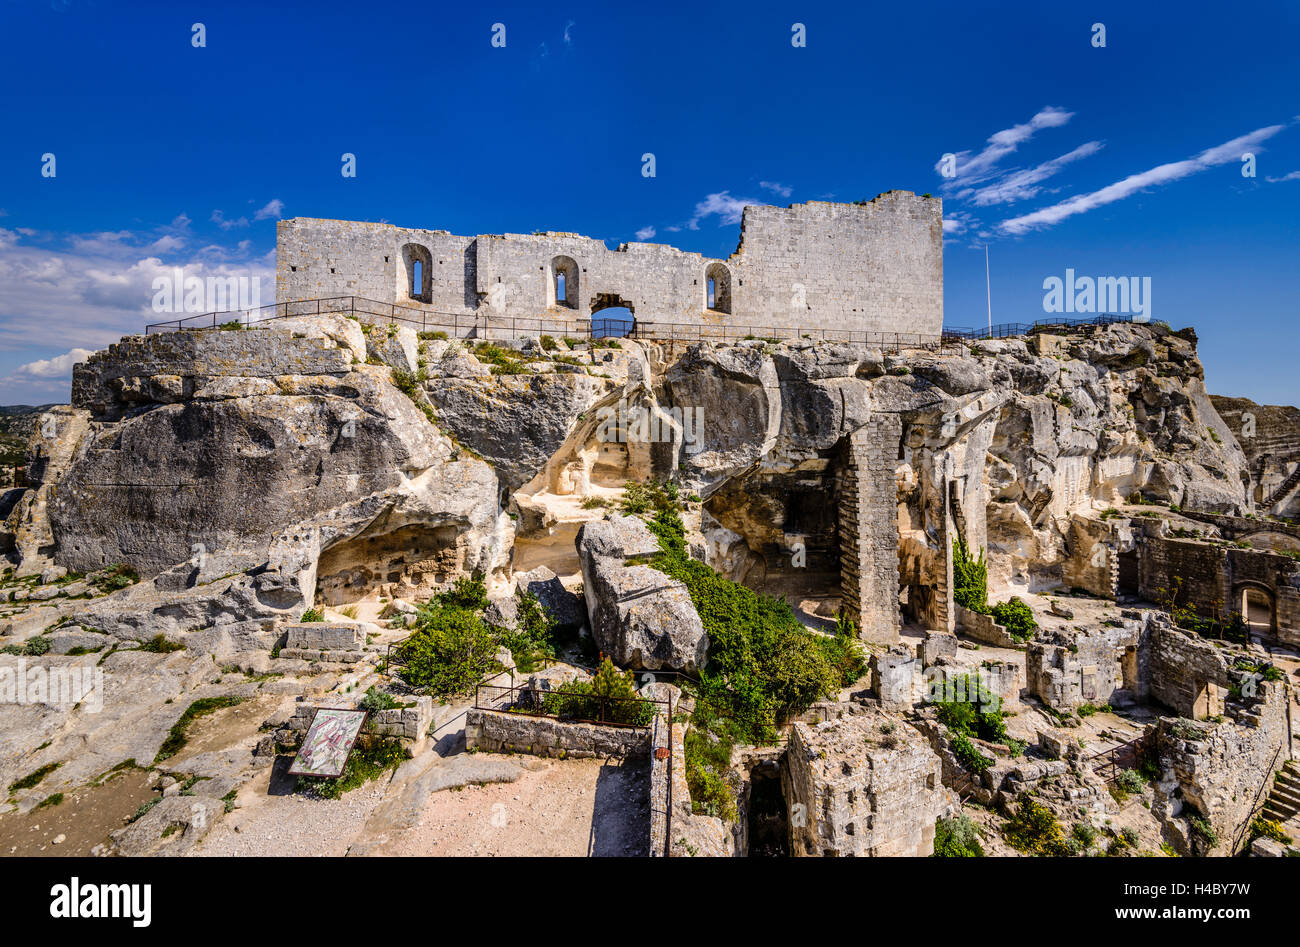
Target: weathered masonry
{"points": [[873, 267]]}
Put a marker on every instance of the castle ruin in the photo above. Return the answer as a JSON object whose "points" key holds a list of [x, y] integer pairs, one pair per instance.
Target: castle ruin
{"points": [[870, 268]]}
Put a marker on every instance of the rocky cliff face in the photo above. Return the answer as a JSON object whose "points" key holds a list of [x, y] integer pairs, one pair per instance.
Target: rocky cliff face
{"points": [[1270, 436], [1004, 442], [217, 461], [211, 454]]}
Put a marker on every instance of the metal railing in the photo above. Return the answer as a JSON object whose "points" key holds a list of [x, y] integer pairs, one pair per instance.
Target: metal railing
{"points": [[470, 324], [1006, 330], [1260, 800], [454, 324], [1108, 764], [570, 707]]}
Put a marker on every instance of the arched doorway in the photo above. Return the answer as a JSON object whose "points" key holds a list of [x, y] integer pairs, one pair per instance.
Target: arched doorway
{"points": [[1258, 609], [616, 319]]}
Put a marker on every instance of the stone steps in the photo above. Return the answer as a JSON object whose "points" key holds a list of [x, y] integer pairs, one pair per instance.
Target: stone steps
{"points": [[1284, 801], [1286, 487]]}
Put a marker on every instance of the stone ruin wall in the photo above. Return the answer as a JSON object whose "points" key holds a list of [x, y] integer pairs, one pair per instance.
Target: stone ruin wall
{"points": [[871, 267], [1213, 578]]}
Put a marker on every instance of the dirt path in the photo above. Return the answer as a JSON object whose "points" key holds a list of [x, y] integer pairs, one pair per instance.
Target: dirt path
{"points": [[556, 807], [570, 807], [80, 821]]}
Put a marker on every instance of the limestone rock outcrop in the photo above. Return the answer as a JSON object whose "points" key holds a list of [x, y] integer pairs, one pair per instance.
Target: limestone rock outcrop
{"points": [[639, 617], [244, 472]]}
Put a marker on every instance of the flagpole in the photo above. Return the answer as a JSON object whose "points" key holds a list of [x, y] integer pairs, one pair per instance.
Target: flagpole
{"points": [[988, 290]]}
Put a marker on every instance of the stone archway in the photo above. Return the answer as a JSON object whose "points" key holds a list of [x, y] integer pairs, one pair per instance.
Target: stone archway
{"points": [[1257, 606]]}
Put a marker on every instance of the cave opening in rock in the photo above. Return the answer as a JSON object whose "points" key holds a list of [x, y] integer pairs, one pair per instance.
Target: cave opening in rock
{"points": [[417, 556], [768, 825]]}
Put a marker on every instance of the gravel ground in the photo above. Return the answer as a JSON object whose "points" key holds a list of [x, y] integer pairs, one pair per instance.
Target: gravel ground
{"points": [[292, 825], [571, 807], [563, 807]]}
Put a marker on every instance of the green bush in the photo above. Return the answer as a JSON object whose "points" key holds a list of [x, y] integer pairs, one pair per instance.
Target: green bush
{"points": [[450, 651], [377, 700], [970, 578], [957, 838], [970, 757], [117, 576], [1017, 617], [708, 761], [1130, 781], [610, 695], [160, 644], [764, 665], [34, 777], [313, 614], [534, 640], [1034, 830]]}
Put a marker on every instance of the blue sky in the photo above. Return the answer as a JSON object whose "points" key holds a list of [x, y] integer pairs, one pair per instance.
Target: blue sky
{"points": [[1115, 161]]}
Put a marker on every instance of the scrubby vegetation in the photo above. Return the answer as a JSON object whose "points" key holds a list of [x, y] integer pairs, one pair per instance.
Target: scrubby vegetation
{"points": [[764, 665], [957, 837], [34, 777], [453, 647], [1034, 830], [178, 736], [1016, 617], [610, 695], [970, 578], [115, 577], [161, 644]]}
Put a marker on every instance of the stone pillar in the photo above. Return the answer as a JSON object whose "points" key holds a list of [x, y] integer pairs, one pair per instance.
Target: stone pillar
{"points": [[868, 528]]}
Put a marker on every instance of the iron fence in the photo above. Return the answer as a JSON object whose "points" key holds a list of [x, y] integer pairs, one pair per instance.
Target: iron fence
{"points": [[472, 325], [1108, 764], [633, 712]]}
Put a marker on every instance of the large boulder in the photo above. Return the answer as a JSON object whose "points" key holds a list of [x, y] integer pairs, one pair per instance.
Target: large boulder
{"points": [[639, 617]]}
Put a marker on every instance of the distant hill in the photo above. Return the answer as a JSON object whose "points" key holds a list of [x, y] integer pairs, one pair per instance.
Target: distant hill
{"points": [[17, 424]]}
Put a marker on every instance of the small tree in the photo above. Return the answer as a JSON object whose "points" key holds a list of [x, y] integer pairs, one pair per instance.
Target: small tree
{"points": [[970, 578]]}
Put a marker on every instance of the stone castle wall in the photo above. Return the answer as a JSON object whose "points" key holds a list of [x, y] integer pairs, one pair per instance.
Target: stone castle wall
{"points": [[875, 267]]}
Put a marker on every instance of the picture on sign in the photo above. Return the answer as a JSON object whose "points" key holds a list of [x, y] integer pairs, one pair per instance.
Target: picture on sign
{"points": [[328, 742]]}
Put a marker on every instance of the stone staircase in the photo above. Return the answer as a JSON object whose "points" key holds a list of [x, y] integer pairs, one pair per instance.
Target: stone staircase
{"points": [[1284, 802], [1286, 487]]}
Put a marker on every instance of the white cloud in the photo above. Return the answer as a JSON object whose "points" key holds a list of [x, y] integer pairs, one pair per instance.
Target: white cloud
{"points": [[1293, 176], [568, 33], [726, 208], [219, 218], [274, 209], [1023, 185], [776, 187], [88, 290], [973, 168], [645, 233], [1154, 177], [956, 222], [58, 368]]}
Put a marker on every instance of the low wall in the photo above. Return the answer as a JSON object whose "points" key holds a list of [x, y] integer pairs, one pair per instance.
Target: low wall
{"points": [[494, 731], [408, 723], [984, 629]]}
